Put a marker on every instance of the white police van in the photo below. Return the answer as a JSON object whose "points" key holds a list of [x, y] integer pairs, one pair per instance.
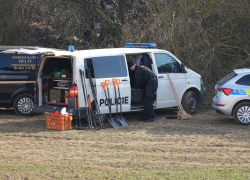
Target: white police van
{"points": [[59, 71]]}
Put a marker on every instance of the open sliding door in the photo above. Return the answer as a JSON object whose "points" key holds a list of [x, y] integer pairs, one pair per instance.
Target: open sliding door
{"points": [[107, 68]]}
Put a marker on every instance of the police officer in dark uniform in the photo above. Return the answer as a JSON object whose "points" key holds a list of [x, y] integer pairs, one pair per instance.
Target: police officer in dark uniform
{"points": [[143, 75]]}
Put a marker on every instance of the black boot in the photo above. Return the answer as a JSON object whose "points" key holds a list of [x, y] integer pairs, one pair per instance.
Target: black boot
{"points": [[143, 118], [150, 119]]}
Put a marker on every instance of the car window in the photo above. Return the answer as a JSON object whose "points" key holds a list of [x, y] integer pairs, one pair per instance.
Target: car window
{"points": [[245, 80], [227, 78], [107, 67], [166, 64]]}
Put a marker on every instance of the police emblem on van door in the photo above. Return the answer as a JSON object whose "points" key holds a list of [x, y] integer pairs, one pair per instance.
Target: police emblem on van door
{"points": [[114, 101]]}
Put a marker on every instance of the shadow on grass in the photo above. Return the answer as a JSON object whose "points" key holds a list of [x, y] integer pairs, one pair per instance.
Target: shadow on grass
{"points": [[13, 123], [204, 122], [10, 122]]}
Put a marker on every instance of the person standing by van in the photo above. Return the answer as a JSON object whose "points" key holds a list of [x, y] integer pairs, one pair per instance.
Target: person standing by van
{"points": [[143, 75]]}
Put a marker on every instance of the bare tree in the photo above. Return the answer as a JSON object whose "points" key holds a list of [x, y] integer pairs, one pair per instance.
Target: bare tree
{"points": [[209, 36]]}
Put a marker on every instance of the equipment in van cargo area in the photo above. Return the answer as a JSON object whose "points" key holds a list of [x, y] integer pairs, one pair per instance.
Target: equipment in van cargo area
{"points": [[56, 66], [56, 95], [63, 72], [62, 83], [54, 75]]}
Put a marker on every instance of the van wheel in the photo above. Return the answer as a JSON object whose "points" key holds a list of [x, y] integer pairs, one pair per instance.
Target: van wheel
{"points": [[23, 105], [95, 116], [189, 102], [242, 114]]}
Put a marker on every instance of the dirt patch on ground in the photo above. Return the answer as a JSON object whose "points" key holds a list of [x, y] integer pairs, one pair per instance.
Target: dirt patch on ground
{"points": [[210, 146]]}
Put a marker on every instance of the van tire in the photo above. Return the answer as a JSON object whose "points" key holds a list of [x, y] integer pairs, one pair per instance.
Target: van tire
{"points": [[189, 102], [95, 116], [23, 105]]}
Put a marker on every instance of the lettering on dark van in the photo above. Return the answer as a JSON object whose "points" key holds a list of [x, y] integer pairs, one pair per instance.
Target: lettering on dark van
{"points": [[24, 63], [115, 101], [23, 57]]}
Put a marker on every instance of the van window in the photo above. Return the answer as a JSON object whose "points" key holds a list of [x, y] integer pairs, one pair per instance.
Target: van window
{"points": [[107, 67], [88, 63], [166, 64]]}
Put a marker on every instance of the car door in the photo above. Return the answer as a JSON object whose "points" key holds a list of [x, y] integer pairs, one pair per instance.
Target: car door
{"points": [[167, 64], [107, 68], [241, 89]]}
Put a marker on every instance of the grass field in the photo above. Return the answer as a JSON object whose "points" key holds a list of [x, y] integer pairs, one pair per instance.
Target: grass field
{"points": [[209, 146]]}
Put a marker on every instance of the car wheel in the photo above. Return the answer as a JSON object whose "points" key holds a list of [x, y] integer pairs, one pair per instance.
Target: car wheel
{"points": [[104, 117], [23, 105], [242, 114], [189, 102]]}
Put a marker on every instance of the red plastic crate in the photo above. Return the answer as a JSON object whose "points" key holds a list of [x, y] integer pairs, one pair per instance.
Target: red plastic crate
{"points": [[58, 122]]}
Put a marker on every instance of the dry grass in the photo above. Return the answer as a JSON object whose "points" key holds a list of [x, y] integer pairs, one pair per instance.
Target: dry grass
{"points": [[209, 146]]}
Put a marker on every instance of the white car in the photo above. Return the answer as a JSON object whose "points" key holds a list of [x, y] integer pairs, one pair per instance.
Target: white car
{"points": [[233, 96], [106, 64]]}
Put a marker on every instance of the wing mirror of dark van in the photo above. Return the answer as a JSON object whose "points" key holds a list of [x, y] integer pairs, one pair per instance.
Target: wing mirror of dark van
{"points": [[183, 70]]}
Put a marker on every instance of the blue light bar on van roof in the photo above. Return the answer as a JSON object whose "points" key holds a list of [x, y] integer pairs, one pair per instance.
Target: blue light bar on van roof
{"points": [[71, 48], [145, 45]]}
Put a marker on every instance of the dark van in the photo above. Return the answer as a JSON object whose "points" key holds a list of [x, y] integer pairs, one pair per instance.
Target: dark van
{"points": [[17, 78]]}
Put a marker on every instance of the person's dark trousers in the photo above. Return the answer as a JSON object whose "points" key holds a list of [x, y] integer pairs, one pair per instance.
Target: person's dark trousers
{"points": [[150, 90]]}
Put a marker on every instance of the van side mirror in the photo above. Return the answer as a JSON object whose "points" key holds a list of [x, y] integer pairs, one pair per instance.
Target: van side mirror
{"points": [[183, 70]]}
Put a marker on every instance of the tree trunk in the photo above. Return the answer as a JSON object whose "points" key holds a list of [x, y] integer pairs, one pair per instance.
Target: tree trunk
{"points": [[121, 6]]}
